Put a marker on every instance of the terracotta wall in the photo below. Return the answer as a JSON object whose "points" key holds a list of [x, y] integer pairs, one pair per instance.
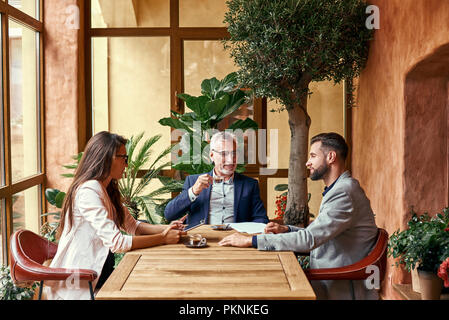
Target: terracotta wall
{"points": [[64, 87], [399, 127]]}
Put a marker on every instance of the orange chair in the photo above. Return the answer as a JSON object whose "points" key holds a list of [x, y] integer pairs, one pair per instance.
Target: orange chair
{"points": [[358, 270], [28, 251]]}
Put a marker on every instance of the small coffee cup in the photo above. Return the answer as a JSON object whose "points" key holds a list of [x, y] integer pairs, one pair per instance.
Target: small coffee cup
{"points": [[197, 240]]}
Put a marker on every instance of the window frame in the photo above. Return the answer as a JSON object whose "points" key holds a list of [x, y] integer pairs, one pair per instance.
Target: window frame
{"points": [[8, 12], [177, 37]]}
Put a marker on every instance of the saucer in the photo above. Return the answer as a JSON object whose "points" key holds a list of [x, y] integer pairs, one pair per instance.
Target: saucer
{"points": [[188, 245]]}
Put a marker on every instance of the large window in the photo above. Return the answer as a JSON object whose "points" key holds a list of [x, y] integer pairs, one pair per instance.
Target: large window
{"points": [[21, 126], [142, 53]]}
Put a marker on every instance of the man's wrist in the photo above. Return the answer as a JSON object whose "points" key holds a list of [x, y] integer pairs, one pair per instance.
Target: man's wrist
{"points": [[192, 195]]}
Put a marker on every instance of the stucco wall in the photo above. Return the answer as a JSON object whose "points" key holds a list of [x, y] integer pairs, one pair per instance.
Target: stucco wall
{"points": [[410, 31], [64, 87]]}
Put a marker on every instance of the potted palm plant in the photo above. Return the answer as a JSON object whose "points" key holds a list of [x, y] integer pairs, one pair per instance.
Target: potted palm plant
{"points": [[133, 187]]}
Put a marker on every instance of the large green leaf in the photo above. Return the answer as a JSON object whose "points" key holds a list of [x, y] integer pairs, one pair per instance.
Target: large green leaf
{"points": [[236, 100], [196, 104], [209, 87], [281, 187], [229, 82], [244, 125], [50, 195], [174, 123], [55, 197], [216, 107]]}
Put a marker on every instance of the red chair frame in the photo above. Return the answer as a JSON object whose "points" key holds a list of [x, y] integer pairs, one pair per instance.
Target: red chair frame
{"points": [[358, 270], [28, 251]]}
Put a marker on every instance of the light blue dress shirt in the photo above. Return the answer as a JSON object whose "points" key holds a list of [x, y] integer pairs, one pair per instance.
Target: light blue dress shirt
{"points": [[221, 208]]}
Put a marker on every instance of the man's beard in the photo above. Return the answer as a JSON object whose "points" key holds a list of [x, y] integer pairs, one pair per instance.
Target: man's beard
{"points": [[226, 171], [320, 172]]}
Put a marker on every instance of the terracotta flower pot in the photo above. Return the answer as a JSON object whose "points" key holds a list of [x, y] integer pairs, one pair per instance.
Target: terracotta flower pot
{"points": [[430, 284]]}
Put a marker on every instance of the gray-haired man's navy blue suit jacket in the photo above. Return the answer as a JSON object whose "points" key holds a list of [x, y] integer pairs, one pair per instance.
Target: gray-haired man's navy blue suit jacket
{"points": [[248, 207]]}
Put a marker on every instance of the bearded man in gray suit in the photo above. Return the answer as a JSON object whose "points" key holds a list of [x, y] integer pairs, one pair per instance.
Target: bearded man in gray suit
{"points": [[344, 231]]}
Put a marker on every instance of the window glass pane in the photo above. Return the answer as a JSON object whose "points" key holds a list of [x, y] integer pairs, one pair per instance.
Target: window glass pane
{"points": [[202, 13], [24, 111], [27, 6], [204, 60], [131, 87], [130, 14], [26, 210], [326, 109]]}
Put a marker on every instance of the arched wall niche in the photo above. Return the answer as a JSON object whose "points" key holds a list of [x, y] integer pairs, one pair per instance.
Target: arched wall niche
{"points": [[426, 177]]}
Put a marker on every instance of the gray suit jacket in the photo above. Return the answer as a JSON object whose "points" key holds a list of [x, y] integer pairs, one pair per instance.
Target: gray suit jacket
{"points": [[343, 233]]}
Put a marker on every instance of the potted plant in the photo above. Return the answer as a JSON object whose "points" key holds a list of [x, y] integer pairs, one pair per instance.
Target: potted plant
{"points": [[424, 245], [219, 99], [132, 187], [11, 291]]}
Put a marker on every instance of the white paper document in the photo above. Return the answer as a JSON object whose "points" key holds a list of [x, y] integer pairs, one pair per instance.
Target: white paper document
{"points": [[248, 227]]}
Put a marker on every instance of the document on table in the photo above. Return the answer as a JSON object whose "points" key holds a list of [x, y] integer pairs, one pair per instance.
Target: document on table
{"points": [[248, 227]]}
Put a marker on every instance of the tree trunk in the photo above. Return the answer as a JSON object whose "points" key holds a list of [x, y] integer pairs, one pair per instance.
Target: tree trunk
{"points": [[297, 210]]}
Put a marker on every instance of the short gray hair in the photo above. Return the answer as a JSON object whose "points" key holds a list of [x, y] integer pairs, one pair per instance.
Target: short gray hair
{"points": [[220, 136]]}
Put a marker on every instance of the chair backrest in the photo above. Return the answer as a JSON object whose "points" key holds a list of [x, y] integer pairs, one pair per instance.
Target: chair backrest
{"points": [[27, 253], [359, 270]]}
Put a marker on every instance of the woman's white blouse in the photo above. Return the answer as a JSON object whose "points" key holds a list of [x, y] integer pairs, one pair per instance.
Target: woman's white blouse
{"points": [[86, 245]]}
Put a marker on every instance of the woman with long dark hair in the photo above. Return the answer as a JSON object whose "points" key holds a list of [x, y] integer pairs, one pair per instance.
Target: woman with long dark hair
{"points": [[93, 215]]}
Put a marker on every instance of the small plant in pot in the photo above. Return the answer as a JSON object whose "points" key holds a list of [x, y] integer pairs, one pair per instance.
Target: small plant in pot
{"points": [[12, 291], [423, 245]]}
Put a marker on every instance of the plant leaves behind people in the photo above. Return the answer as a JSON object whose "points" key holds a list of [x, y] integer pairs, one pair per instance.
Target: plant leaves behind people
{"points": [[55, 197]]}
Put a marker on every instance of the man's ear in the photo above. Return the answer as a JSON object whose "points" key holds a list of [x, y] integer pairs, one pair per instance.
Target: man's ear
{"points": [[331, 156]]}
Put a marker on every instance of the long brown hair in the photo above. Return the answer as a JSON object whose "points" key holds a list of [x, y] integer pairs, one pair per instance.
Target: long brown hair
{"points": [[95, 164]]}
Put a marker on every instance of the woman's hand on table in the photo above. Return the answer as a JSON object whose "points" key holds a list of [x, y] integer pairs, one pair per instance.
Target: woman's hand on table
{"points": [[179, 224], [172, 235], [237, 240]]}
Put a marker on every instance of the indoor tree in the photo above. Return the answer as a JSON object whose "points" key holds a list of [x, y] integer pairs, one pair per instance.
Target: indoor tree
{"points": [[280, 47]]}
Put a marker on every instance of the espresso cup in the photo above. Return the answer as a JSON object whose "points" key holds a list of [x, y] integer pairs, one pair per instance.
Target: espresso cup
{"points": [[197, 240]]}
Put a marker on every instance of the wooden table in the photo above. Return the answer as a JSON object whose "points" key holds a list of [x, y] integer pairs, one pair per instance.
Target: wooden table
{"points": [[215, 272]]}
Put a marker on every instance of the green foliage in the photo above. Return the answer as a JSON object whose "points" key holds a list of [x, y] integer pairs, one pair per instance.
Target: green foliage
{"points": [[425, 242], [304, 261], [72, 166], [282, 45], [132, 187], [10, 291], [218, 100]]}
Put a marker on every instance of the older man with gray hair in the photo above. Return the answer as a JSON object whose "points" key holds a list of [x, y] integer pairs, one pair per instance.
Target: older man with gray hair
{"points": [[221, 195]]}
